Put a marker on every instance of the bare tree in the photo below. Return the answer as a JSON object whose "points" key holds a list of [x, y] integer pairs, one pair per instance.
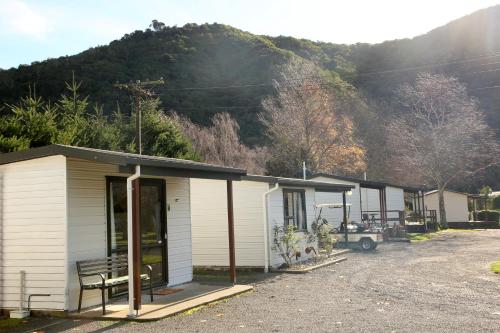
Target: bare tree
{"points": [[220, 143], [304, 123], [440, 134]]}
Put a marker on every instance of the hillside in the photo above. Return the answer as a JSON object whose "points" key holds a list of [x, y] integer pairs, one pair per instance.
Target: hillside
{"points": [[194, 57], [470, 46], [186, 57]]}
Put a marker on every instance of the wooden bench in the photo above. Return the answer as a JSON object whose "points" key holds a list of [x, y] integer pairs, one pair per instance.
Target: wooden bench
{"points": [[103, 269]]}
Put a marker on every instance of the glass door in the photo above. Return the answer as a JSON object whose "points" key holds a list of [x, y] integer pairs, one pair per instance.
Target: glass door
{"points": [[153, 228], [153, 225]]}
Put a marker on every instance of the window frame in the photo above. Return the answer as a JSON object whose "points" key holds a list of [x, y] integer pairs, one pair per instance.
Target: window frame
{"points": [[286, 218]]}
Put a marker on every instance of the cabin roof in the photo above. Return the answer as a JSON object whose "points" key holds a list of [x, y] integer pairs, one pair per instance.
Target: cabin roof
{"points": [[367, 183], [318, 186], [154, 165]]}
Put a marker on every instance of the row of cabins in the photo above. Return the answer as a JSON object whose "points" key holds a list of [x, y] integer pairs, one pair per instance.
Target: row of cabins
{"points": [[62, 204]]}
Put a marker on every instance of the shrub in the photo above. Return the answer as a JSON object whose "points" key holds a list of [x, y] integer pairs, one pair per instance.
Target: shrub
{"points": [[488, 215], [496, 202], [321, 233], [286, 242]]}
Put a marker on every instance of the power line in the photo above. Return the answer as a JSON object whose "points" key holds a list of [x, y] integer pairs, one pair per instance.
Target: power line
{"points": [[406, 69], [361, 74]]}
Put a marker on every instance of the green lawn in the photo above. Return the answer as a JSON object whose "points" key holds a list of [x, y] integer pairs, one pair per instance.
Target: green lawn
{"points": [[10, 323], [495, 267], [419, 237]]}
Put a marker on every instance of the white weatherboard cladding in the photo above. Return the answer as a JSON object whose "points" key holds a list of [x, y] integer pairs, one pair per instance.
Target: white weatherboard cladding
{"points": [[370, 199], [87, 224], [395, 198], [276, 218], [455, 204], [395, 202], [33, 231], [180, 266], [209, 222], [334, 216]]}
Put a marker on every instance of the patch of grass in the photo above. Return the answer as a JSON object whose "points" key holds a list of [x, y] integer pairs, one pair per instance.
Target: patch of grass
{"points": [[495, 267], [8, 323], [419, 237]]}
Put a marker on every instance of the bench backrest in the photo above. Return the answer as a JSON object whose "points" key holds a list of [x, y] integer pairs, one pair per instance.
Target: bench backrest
{"points": [[106, 265]]}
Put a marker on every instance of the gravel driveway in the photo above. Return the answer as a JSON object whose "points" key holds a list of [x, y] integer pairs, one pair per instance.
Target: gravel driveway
{"points": [[439, 285]]}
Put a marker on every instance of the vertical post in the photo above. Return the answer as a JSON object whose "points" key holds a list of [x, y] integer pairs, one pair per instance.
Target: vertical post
{"points": [[344, 209], [230, 229], [136, 239], [419, 204], [423, 209], [22, 290]]}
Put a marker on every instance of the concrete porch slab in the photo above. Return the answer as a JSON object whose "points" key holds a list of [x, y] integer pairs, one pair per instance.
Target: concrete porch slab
{"points": [[193, 295]]}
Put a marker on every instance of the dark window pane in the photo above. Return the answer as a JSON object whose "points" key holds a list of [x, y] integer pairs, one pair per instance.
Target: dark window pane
{"points": [[294, 208], [118, 218]]}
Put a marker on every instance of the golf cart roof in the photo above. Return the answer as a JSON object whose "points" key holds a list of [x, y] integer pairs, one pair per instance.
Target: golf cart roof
{"points": [[332, 205]]}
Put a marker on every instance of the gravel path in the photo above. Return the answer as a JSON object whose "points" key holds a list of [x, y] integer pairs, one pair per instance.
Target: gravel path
{"points": [[441, 285]]}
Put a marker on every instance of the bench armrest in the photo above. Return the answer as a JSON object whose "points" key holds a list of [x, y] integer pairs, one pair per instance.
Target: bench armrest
{"points": [[101, 275], [150, 269]]}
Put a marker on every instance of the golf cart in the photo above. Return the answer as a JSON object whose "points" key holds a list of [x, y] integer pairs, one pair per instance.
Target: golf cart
{"points": [[362, 235]]}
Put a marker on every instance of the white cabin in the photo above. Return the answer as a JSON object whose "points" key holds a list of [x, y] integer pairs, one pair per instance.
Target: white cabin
{"points": [[455, 204], [260, 203], [367, 199], [62, 204]]}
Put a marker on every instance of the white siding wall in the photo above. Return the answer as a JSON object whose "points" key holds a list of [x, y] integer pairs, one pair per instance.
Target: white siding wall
{"points": [[395, 201], [209, 225], [276, 217], [370, 199], [33, 231], [335, 215], [249, 224], [87, 224], [455, 205], [395, 198], [180, 266], [87, 228], [209, 222]]}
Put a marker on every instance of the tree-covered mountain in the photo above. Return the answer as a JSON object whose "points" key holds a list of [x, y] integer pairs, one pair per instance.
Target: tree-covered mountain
{"points": [[198, 56], [212, 68], [193, 56]]}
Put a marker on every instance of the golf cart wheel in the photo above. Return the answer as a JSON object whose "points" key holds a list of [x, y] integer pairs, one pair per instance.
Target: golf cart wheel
{"points": [[366, 244]]}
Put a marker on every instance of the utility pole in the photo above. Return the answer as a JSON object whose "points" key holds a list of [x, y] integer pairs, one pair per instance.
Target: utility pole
{"points": [[138, 90]]}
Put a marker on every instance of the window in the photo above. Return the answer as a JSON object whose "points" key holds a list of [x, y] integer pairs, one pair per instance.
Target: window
{"points": [[294, 202]]}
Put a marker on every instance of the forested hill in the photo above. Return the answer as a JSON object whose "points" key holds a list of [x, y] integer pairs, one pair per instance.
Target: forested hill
{"points": [[193, 57]]}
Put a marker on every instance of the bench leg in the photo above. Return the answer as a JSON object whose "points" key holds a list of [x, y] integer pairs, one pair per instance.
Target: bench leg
{"points": [[80, 300], [103, 301], [151, 289]]}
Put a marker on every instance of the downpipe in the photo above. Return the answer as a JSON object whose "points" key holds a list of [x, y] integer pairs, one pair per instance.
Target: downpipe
{"points": [[266, 227], [130, 246]]}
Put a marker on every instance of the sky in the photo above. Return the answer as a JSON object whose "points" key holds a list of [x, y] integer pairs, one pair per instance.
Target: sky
{"points": [[33, 30]]}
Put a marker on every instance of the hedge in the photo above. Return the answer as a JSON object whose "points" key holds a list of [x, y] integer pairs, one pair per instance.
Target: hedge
{"points": [[488, 215], [496, 202], [474, 225]]}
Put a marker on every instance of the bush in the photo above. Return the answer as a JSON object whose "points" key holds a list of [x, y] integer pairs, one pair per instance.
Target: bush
{"points": [[495, 202], [321, 233], [286, 242], [488, 215]]}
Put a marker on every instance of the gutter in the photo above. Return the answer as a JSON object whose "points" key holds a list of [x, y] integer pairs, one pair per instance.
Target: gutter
{"points": [[266, 227], [130, 244]]}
